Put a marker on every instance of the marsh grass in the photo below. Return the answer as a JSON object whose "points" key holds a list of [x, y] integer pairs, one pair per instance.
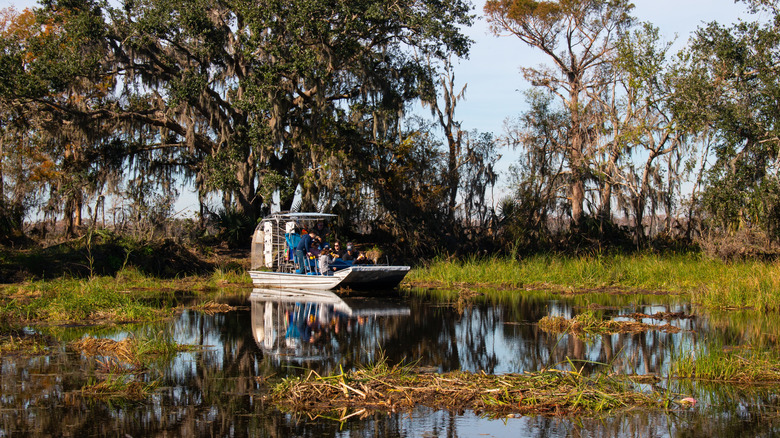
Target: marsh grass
{"points": [[23, 344], [397, 388], [130, 296], [711, 283], [740, 365]]}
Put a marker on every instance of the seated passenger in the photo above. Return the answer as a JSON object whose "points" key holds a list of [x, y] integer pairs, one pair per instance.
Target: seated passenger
{"points": [[361, 259], [325, 260], [351, 254], [337, 250]]}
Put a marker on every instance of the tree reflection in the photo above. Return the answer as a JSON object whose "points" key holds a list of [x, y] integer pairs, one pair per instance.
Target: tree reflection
{"points": [[218, 389]]}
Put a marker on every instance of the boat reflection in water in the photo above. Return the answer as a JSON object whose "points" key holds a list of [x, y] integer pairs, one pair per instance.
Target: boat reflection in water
{"points": [[295, 325]]}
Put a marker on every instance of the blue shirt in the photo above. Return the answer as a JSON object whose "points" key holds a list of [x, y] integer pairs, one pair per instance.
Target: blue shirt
{"points": [[304, 244]]}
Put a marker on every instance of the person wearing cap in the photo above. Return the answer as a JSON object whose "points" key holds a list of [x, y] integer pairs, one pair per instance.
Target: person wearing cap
{"points": [[351, 254]]}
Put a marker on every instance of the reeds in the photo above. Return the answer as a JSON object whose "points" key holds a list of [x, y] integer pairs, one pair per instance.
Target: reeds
{"points": [[727, 365], [711, 283]]}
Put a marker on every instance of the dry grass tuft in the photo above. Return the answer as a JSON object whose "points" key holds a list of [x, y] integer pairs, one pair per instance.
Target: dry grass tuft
{"points": [[123, 350], [211, 308], [589, 324]]}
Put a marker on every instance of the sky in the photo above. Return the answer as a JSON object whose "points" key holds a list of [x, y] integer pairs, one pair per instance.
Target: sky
{"points": [[494, 86]]}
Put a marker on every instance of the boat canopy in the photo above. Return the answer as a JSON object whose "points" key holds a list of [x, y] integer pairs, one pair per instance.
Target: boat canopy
{"points": [[271, 241]]}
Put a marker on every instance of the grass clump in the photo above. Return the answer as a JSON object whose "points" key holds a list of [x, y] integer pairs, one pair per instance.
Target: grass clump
{"points": [[728, 365], [391, 389], [119, 388], [589, 323], [137, 352]]}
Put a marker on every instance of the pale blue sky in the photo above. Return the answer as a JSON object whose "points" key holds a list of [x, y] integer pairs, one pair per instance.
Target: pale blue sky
{"points": [[494, 84]]}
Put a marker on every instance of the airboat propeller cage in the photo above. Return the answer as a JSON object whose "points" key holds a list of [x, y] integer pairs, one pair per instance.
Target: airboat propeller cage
{"points": [[268, 241]]}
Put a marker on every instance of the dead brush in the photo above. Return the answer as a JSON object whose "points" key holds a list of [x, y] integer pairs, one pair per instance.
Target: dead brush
{"points": [[393, 389], [122, 350]]}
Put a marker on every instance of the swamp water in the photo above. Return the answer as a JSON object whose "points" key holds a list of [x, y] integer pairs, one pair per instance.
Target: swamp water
{"points": [[220, 388]]}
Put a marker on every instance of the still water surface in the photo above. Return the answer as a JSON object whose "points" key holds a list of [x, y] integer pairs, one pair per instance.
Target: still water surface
{"points": [[219, 389]]}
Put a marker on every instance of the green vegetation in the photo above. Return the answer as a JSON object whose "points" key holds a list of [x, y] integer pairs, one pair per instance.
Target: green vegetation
{"points": [[708, 282], [129, 296], [119, 388], [22, 344], [720, 364]]}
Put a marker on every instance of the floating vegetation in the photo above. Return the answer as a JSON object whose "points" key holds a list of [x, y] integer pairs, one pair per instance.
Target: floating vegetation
{"points": [[211, 308], [131, 350], [118, 388], [392, 389], [588, 323], [666, 316]]}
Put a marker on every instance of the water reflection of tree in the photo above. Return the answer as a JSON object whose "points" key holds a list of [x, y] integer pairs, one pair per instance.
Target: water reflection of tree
{"points": [[534, 349], [213, 391]]}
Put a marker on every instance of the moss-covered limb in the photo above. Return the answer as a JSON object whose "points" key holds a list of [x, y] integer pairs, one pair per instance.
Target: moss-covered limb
{"points": [[550, 392]]}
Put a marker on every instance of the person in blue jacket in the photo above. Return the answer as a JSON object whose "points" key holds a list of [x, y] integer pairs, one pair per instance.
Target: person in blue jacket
{"points": [[302, 251]]}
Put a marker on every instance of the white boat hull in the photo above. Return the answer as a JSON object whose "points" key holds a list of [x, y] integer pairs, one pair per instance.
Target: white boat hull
{"points": [[355, 277], [294, 281]]}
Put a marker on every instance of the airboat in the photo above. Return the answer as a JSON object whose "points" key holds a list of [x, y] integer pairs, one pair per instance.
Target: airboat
{"points": [[273, 264]]}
